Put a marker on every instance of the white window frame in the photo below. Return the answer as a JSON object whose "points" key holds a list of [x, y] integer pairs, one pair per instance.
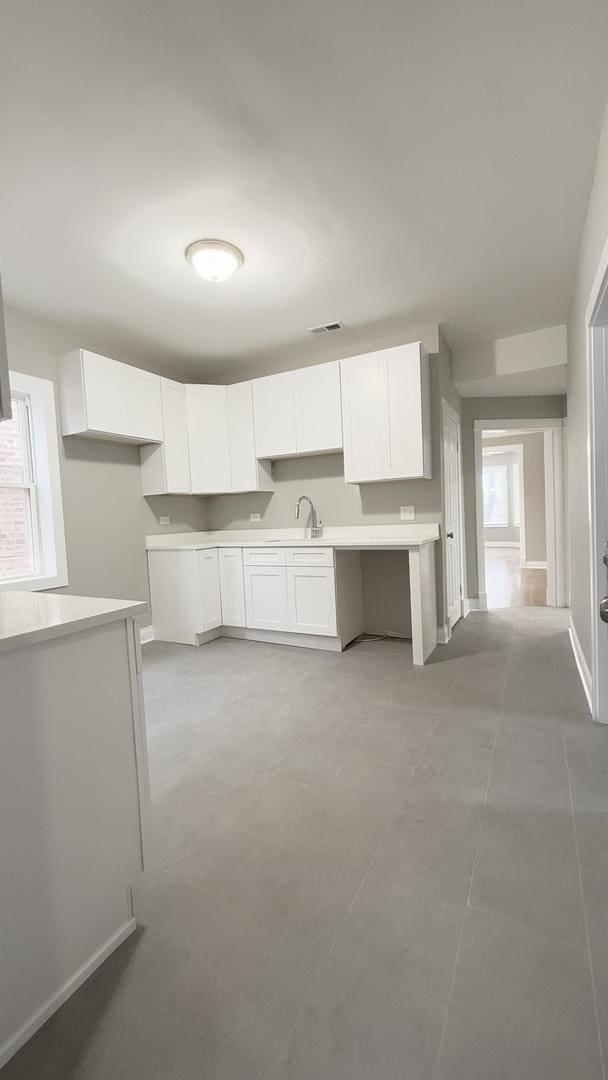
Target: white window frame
{"points": [[47, 503]]}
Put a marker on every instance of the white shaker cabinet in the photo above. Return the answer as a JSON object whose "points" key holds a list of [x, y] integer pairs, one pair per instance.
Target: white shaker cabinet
{"points": [[318, 409], [266, 597], [232, 587], [274, 411], [184, 593], [102, 398], [298, 412], [311, 600], [166, 467], [386, 415], [246, 472], [208, 435]]}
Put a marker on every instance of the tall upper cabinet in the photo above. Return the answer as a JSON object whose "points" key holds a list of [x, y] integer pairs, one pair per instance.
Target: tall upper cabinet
{"points": [[386, 409], [222, 441], [165, 467], [104, 399], [298, 412]]}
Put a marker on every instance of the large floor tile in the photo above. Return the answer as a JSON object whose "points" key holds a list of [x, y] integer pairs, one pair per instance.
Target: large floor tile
{"points": [[168, 1050], [521, 1007], [526, 867]]}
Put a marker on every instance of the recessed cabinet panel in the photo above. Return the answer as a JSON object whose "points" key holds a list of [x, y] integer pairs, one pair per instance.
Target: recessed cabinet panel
{"points": [[266, 597], [247, 473], [144, 408], [362, 393], [275, 416], [209, 589], [312, 600], [177, 456], [232, 587], [105, 394], [208, 435], [318, 409]]}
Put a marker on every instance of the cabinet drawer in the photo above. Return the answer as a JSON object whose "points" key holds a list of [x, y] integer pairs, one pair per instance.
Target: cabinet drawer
{"points": [[310, 556], [264, 556]]}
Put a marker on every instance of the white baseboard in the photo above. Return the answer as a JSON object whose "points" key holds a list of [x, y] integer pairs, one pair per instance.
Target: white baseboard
{"points": [[31, 1026], [475, 603], [146, 634], [532, 564], [582, 665], [502, 543], [444, 634]]}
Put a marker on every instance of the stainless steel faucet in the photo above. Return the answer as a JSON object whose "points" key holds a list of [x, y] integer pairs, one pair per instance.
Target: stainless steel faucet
{"points": [[316, 527]]}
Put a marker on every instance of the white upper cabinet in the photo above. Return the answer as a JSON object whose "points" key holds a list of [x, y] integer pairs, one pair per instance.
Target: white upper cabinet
{"points": [[247, 473], [386, 415], [102, 398], [166, 466], [274, 410], [298, 412], [318, 409], [209, 444]]}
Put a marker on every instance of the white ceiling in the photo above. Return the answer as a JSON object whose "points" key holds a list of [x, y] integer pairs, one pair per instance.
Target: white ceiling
{"points": [[382, 163]]}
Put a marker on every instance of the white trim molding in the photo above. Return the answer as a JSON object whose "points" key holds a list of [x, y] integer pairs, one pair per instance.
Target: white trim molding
{"points": [[502, 543], [475, 603], [534, 564], [146, 634], [20, 1037], [581, 664], [444, 635]]}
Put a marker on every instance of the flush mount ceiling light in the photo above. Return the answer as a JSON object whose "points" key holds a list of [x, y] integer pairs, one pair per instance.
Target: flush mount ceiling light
{"points": [[214, 260]]}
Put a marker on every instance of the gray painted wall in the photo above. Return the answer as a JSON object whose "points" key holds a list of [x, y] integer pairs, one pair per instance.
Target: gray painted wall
{"points": [[594, 237], [501, 408], [106, 516]]}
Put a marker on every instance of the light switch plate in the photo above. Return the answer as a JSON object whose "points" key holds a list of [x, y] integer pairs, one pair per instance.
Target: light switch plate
{"points": [[255, 517], [164, 520], [408, 513]]}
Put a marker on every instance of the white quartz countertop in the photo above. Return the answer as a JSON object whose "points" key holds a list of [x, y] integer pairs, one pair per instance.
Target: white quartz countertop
{"points": [[27, 617], [354, 537]]}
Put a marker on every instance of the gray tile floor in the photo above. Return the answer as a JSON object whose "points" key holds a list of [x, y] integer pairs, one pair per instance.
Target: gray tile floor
{"points": [[362, 871]]}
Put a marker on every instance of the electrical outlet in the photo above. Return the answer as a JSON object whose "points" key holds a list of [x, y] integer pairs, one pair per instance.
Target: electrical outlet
{"points": [[164, 520], [255, 517], [408, 513]]}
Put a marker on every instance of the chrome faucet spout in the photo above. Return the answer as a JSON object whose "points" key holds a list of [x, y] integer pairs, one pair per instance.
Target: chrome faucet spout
{"points": [[316, 528]]}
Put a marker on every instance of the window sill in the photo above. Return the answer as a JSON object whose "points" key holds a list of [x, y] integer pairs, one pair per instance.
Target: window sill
{"points": [[36, 584]]}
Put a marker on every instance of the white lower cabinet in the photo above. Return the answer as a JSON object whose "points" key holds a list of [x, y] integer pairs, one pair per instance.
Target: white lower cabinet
{"points": [[266, 597], [311, 600], [184, 594], [232, 587], [210, 604]]}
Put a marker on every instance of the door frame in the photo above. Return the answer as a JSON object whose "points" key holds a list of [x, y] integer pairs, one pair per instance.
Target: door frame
{"points": [[597, 387], [553, 430], [446, 631]]}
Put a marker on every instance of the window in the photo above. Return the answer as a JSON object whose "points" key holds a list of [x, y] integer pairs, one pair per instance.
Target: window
{"points": [[32, 542], [515, 492], [495, 495]]}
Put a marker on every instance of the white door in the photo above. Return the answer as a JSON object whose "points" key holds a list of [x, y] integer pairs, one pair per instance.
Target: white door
{"points": [[451, 516], [599, 345], [318, 409], [266, 597], [241, 435], [105, 394], [208, 436], [175, 424], [209, 589], [144, 407], [312, 600], [232, 587], [274, 415], [365, 419]]}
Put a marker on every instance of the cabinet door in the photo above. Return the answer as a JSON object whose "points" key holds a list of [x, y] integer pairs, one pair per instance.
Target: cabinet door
{"points": [[175, 442], [311, 600], [208, 436], [144, 408], [105, 394], [318, 409], [173, 595], [232, 587], [274, 416], [365, 419], [266, 597], [243, 463], [209, 590], [405, 394]]}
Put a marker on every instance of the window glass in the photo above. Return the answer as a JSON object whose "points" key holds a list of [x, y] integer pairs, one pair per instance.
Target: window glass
{"points": [[515, 493], [495, 495], [18, 518]]}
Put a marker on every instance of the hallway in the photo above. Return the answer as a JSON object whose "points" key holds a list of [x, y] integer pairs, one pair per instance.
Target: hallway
{"points": [[508, 585], [363, 870]]}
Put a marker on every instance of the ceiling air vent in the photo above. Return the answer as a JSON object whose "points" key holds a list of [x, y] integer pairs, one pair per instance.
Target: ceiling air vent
{"points": [[325, 329]]}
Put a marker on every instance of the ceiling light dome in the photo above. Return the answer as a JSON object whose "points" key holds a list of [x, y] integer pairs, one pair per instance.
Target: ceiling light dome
{"points": [[215, 260]]}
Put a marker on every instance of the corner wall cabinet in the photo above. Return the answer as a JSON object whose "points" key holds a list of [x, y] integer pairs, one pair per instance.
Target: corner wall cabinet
{"points": [[104, 399], [165, 467], [298, 412], [386, 407]]}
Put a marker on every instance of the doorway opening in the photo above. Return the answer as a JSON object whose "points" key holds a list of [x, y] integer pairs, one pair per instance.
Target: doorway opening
{"points": [[520, 513]]}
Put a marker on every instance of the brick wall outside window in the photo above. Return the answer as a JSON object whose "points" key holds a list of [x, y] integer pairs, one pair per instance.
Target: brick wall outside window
{"points": [[16, 548]]}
